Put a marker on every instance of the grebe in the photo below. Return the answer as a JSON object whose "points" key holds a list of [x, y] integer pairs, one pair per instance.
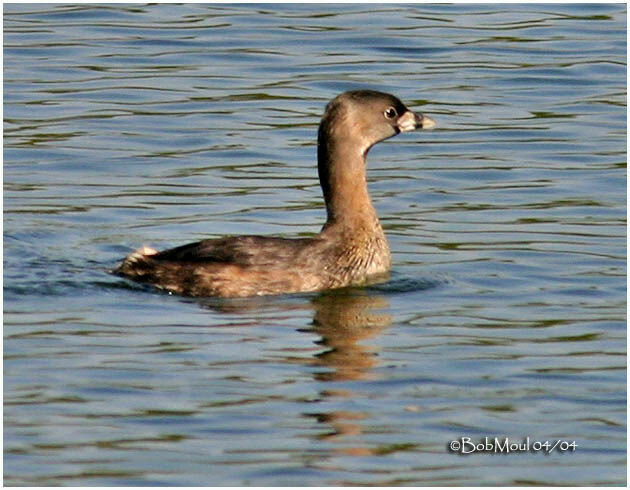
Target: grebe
{"points": [[351, 248]]}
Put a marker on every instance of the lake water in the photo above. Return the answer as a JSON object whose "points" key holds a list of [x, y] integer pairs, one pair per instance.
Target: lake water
{"points": [[505, 315]]}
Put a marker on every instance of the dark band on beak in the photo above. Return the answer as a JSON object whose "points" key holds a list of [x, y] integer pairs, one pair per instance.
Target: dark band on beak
{"points": [[411, 121]]}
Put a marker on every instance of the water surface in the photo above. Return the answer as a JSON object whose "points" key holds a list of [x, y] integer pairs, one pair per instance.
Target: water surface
{"points": [[162, 124]]}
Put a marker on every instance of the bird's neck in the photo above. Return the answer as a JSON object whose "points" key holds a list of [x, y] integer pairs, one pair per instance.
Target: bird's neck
{"points": [[341, 165]]}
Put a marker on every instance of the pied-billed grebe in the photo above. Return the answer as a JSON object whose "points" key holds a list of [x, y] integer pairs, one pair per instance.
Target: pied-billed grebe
{"points": [[351, 248]]}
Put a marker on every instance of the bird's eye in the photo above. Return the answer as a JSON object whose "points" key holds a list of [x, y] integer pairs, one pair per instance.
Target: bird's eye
{"points": [[391, 113]]}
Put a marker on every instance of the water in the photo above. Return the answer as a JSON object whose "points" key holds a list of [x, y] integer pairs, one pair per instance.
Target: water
{"points": [[506, 311]]}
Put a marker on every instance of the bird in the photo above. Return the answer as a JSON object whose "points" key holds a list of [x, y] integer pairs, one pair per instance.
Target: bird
{"points": [[350, 250]]}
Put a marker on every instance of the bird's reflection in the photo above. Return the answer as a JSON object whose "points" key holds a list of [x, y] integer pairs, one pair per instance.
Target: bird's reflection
{"points": [[343, 320]]}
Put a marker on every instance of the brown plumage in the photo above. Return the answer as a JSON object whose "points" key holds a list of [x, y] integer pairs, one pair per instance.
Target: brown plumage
{"points": [[351, 248]]}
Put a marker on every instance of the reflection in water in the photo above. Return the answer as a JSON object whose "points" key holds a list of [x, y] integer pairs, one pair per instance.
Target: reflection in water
{"points": [[344, 319]]}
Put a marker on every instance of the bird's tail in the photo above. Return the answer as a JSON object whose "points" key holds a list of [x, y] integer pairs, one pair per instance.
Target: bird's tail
{"points": [[135, 264]]}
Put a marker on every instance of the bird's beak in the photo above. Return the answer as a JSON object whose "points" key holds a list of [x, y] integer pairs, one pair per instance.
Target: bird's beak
{"points": [[411, 121]]}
